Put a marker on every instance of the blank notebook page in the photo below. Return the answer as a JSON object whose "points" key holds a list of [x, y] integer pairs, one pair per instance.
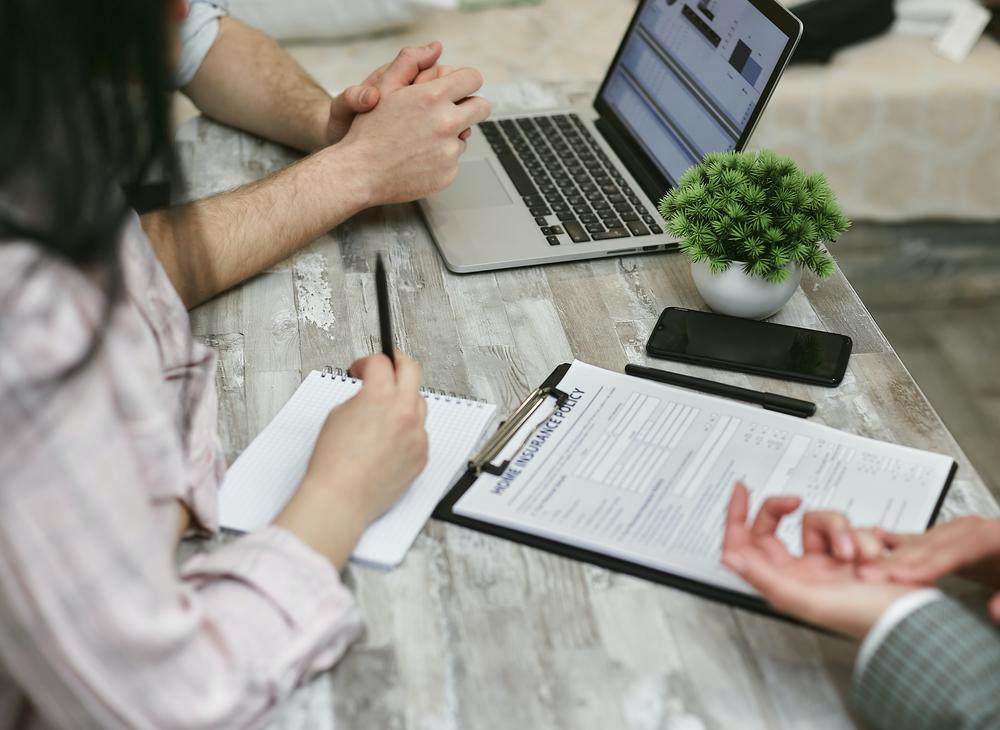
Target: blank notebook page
{"points": [[267, 473]]}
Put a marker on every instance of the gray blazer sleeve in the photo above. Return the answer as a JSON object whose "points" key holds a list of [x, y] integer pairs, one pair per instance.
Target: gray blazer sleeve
{"points": [[938, 668]]}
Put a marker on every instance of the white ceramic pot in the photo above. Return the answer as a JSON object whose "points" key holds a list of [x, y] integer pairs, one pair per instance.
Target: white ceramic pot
{"points": [[740, 295]]}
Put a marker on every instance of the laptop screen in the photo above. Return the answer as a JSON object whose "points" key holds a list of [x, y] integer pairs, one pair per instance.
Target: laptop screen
{"points": [[692, 75]]}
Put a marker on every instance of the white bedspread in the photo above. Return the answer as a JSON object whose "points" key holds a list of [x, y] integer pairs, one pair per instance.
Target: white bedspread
{"points": [[901, 132]]}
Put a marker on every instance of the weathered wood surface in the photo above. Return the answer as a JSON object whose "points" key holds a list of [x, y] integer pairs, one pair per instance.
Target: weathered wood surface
{"points": [[475, 632]]}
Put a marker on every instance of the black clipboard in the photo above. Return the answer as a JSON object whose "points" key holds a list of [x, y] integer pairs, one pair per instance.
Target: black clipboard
{"points": [[482, 463]]}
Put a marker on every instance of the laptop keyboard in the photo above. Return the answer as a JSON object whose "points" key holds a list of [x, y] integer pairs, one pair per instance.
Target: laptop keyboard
{"points": [[563, 175]]}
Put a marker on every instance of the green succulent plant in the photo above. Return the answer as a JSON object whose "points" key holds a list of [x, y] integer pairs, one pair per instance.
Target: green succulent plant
{"points": [[757, 208]]}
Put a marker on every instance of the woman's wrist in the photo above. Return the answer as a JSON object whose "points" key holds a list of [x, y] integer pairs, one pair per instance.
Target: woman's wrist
{"points": [[326, 519]]}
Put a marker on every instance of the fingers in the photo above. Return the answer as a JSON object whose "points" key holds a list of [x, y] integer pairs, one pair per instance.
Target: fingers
{"points": [[828, 533], [994, 608], [739, 505], [473, 110], [943, 550], [771, 513], [359, 99], [871, 544], [375, 77], [464, 136], [914, 562], [916, 568], [406, 67], [774, 550], [894, 540], [737, 535], [376, 371], [403, 376], [459, 84], [409, 375], [421, 408], [426, 75], [435, 72], [765, 525], [760, 537]]}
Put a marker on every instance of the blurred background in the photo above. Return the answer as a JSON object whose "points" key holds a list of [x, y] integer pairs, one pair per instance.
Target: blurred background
{"points": [[907, 132]]}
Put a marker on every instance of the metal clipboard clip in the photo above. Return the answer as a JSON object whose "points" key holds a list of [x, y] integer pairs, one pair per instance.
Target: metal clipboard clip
{"points": [[483, 461]]}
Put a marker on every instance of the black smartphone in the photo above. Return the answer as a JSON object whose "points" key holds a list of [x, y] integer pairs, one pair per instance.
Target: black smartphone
{"points": [[748, 346]]}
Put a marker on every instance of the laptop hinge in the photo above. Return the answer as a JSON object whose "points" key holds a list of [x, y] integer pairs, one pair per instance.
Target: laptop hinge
{"points": [[641, 169]]}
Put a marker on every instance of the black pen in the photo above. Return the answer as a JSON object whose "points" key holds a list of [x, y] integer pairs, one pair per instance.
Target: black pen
{"points": [[384, 314], [770, 401]]}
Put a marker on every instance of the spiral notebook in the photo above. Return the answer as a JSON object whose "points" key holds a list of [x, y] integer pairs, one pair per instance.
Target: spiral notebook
{"points": [[267, 473]]}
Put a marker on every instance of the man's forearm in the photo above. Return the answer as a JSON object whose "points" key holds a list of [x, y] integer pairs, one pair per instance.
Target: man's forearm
{"points": [[213, 244], [248, 81]]}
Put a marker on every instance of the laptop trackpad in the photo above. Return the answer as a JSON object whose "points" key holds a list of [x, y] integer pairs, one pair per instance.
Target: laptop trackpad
{"points": [[477, 186]]}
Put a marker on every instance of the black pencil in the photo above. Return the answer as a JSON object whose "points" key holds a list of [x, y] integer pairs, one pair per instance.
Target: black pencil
{"points": [[384, 313]]}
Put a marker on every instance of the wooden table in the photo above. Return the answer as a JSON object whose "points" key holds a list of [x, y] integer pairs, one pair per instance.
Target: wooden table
{"points": [[475, 632]]}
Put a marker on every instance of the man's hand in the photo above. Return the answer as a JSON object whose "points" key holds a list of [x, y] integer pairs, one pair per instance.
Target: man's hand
{"points": [[412, 66], [967, 546], [406, 147], [273, 97], [818, 588], [411, 142]]}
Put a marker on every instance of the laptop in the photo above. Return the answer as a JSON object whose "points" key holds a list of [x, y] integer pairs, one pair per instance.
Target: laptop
{"points": [[690, 77]]}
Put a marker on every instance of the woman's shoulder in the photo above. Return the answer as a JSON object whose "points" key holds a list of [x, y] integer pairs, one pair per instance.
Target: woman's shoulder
{"points": [[26, 266], [49, 309], [35, 282]]}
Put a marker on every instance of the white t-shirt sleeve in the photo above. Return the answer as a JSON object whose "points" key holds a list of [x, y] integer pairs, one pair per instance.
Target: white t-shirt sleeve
{"points": [[198, 33]]}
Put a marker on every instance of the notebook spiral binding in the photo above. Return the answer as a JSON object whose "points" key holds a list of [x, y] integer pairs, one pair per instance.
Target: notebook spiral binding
{"points": [[442, 395]]}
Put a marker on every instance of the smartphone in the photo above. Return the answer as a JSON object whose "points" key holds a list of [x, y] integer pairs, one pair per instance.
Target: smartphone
{"points": [[748, 346]]}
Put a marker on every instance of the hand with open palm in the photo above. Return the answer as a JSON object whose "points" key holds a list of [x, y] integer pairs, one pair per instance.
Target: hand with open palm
{"points": [[821, 587]]}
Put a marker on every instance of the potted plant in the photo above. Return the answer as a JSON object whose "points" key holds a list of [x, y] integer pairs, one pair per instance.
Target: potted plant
{"points": [[750, 222]]}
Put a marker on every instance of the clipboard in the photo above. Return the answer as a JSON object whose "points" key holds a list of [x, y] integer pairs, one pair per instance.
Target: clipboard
{"points": [[483, 463]]}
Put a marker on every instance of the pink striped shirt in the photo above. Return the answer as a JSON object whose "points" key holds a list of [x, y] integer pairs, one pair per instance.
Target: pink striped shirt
{"points": [[98, 627]]}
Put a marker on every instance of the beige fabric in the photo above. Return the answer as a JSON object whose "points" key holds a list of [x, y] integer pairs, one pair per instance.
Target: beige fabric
{"points": [[901, 132], [328, 19]]}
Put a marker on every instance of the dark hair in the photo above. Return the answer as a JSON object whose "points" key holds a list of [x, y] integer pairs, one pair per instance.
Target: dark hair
{"points": [[87, 114]]}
